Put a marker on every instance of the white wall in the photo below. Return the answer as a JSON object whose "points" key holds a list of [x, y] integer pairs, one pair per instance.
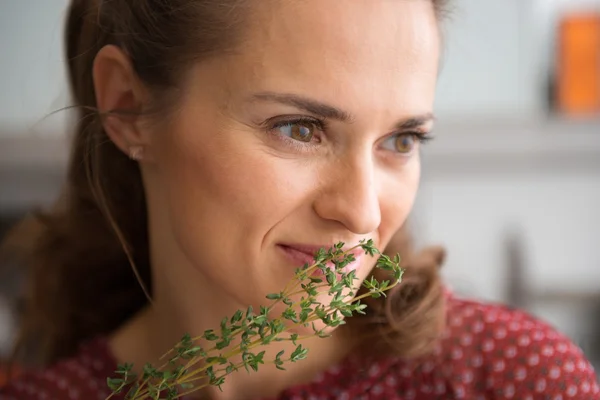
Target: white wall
{"points": [[557, 216], [32, 68], [490, 67]]}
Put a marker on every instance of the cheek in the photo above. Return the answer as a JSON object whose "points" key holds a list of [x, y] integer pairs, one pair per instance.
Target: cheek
{"points": [[398, 197], [223, 186]]}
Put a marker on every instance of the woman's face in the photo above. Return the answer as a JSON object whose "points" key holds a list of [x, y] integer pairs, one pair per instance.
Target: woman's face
{"points": [[305, 137]]}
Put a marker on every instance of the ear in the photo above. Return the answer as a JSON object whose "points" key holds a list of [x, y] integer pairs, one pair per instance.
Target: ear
{"points": [[120, 97]]}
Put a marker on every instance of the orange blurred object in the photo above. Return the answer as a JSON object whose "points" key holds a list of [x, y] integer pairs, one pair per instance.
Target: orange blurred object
{"points": [[579, 64]]}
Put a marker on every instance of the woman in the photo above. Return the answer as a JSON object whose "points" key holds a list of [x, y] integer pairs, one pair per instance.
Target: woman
{"points": [[219, 144]]}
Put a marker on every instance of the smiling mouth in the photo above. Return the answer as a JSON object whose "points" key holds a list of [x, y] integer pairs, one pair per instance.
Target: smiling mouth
{"points": [[300, 255]]}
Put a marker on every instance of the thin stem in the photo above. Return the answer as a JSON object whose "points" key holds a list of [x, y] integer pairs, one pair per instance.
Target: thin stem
{"points": [[272, 330]]}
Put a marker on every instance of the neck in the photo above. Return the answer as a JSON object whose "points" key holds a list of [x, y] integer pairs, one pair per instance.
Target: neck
{"points": [[158, 328], [144, 340]]}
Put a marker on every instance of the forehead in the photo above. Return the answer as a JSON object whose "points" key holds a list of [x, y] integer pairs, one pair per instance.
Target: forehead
{"points": [[379, 51], [391, 25]]}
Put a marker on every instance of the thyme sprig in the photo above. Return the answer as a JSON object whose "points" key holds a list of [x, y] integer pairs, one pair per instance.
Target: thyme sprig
{"points": [[237, 344]]}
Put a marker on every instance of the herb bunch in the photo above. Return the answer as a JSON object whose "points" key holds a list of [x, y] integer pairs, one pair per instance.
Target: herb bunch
{"points": [[189, 367]]}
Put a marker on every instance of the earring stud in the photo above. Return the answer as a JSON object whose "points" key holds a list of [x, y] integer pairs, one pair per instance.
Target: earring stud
{"points": [[135, 152]]}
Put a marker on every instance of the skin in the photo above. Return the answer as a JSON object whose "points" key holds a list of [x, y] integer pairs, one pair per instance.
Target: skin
{"points": [[225, 188]]}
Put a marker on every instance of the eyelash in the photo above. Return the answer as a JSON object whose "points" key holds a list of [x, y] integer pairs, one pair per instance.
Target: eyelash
{"points": [[421, 137], [318, 125]]}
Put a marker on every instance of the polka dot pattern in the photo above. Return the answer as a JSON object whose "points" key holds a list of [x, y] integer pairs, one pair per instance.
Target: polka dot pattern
{"points": [[487, 352], [80, 377]]}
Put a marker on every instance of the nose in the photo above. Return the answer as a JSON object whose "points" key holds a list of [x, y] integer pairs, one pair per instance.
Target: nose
{"points": [[350, 196]]}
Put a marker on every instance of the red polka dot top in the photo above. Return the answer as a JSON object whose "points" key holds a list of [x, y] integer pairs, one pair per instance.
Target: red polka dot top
{"points": [[487, 352]]}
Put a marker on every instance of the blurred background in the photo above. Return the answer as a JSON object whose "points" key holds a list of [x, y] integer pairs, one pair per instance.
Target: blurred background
{"points": [[511, 185]]}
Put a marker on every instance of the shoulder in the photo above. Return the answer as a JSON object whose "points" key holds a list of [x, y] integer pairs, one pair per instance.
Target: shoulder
{"points": [[495, 350], [82, 376], [488, 351]]}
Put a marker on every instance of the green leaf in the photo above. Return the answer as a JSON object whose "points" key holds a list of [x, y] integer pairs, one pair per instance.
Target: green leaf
{"points": [[321, 312], [230, 368], [330, 276], [237, 317], [115, 384], [320, 255], [193, 351], [124, 369], [218, 382], [186, 340], [260, 320], [346, 313], [336, 288], [359, 308], [274, 296], [167, 375], [287, 301], [223, 343], [216, 360], [277, 326], [279, 355], [149, 371], [290, 314], [210, 335], [299, 354], [294, 337]]}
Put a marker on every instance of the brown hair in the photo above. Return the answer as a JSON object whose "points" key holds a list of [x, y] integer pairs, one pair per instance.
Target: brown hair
{"points": [[81, 282]]}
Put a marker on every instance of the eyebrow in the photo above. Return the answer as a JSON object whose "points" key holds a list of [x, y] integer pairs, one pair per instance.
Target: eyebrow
{"points": [[330, 112], [306, 104], [415, 122]]}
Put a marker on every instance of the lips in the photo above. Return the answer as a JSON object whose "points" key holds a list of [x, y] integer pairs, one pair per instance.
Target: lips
{"points": [[304, 254]]}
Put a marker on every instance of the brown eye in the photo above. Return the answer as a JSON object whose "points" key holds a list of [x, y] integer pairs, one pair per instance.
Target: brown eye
{"points": [[301, 131], [404, 143]]}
